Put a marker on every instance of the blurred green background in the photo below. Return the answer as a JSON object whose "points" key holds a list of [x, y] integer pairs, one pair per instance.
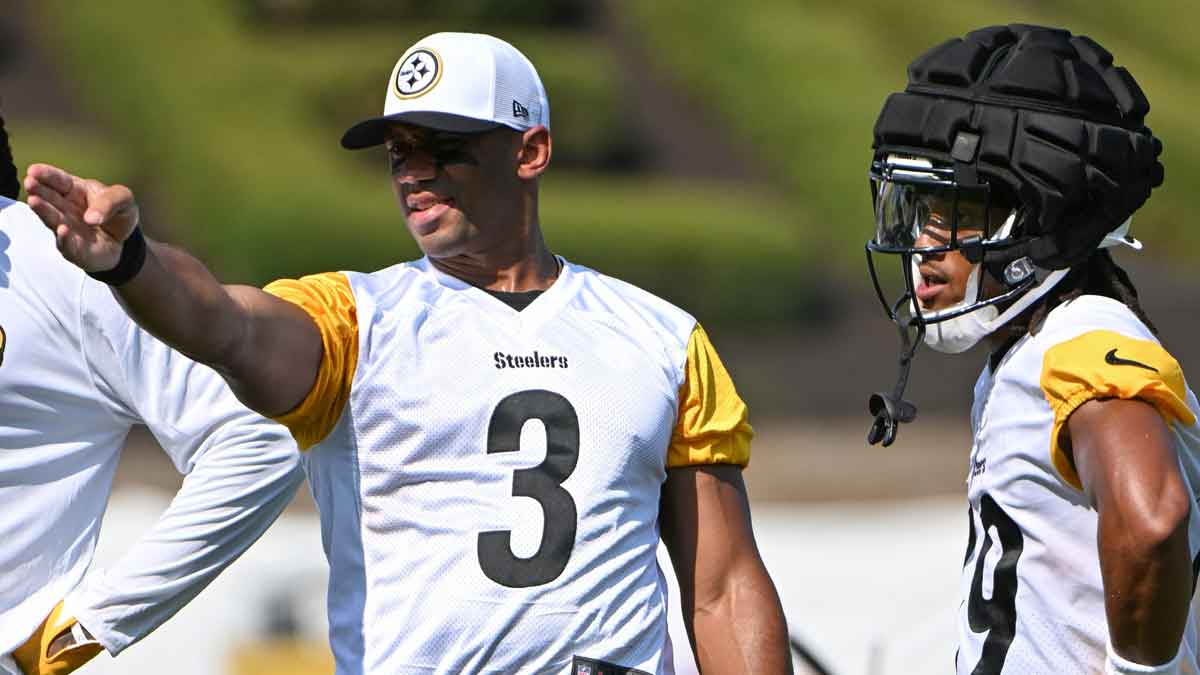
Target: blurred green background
{"points": [[714, 153], [225, 116]]}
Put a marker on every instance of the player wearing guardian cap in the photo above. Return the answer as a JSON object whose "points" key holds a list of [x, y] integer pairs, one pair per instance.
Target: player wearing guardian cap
{"points": [[75, 375], [1002, 176], [497, 434]]}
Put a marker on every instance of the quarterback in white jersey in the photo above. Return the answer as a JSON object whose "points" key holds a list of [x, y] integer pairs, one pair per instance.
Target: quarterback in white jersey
{"points": [[75, 375], [497, 437], [1002, 190]]}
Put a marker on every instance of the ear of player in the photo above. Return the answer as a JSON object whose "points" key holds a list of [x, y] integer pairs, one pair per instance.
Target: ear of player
{"points": [[1032, 119]]}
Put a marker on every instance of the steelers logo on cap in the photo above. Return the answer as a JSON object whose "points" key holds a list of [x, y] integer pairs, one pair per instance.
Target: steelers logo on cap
{"points": [[418, 73]]}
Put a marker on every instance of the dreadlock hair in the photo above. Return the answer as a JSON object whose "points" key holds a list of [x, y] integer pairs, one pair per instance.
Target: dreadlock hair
{"points": [[10, 185], [1098, 275]]}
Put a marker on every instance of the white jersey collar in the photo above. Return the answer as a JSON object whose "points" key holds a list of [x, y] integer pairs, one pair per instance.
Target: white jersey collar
{"points": [[543, 308]]}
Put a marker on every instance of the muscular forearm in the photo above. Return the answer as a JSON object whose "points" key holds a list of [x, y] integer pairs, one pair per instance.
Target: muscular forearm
{"points": [[730, 606], [742, 629], [1147, 586], [267, 349], [175, 298]]}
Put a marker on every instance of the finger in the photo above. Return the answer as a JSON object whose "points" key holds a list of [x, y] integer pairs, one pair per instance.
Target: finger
{"points": [[51, 176], [69, 242], [50, 216], [106, 202], [111, 204], [70, 212], [76, 196]]}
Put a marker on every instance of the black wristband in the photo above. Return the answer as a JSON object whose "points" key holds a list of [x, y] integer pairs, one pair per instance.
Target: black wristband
{"points": [[133, 256]]}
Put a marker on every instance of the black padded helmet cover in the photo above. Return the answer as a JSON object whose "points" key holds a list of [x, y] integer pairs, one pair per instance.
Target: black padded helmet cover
{"points": [[1060, 130]]}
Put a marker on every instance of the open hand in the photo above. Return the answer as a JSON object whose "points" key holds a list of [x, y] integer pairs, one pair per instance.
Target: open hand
{"points": [[90, 219]]}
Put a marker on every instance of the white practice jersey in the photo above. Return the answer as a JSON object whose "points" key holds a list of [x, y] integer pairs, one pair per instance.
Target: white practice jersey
{"points": [[490, 493], [75, 375], [1032, 595]]}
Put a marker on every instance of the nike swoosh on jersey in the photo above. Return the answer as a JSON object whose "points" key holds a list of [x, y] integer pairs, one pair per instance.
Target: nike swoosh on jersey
{"points": [[1112, 359]]}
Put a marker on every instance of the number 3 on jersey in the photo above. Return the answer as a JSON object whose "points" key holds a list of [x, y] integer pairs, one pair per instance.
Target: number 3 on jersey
{"points": [[542, 482]]}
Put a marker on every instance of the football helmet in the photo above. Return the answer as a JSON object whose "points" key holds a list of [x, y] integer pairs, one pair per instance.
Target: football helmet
{"points": [[1021, 148]]}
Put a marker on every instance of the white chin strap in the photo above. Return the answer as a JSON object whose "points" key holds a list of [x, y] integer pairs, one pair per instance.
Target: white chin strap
{"points": [[957, 335]]}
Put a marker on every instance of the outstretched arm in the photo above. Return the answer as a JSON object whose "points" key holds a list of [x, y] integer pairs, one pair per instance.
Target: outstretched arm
{"points": [[730, 607], [1127, 464], [268, 349]]}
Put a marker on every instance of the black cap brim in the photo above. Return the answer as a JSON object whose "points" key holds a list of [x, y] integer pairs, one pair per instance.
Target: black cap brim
{"points": [[372, 132]]}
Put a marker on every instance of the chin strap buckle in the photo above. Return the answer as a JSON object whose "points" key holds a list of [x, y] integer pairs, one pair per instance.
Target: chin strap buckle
{"points": [[889, 412], [1018, 270]]}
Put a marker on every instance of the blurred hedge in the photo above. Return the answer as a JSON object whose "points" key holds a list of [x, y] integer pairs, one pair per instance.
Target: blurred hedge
{"points": [[227, 115], [232, 126], [802, 83], [544, 13]]}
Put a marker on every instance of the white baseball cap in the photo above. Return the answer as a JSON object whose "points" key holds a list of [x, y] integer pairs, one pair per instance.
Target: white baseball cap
{"points": [[460, 82]]}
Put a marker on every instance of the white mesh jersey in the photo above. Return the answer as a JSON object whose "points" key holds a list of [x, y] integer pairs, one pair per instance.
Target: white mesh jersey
{"points": [[490, 494], [75, 375], [1032, 595]]}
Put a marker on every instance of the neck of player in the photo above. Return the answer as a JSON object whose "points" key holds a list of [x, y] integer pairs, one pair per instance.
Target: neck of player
{"points": [[516, 265]]}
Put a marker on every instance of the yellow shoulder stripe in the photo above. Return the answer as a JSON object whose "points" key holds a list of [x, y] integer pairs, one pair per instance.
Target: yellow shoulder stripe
{"points": [[712, 427], [1104, 364], [329, 300]]}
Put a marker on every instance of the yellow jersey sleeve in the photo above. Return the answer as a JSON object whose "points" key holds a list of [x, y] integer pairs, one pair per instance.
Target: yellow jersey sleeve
{"points": [[1103, 364], [712, 426], [329, 300]]}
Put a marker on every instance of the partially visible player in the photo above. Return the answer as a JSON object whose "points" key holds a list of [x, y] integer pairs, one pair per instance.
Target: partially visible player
{"points": [[1002, 176], [75, 375], [499, 436], [10, 182]]}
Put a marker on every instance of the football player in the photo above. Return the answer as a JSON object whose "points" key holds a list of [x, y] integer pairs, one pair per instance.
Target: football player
{"points": [[1002, 177], [75, 375], [496, 434]]}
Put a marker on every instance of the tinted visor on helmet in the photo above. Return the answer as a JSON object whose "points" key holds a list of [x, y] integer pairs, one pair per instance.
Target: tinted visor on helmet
{"points": [[923, 214], [912, 203]]}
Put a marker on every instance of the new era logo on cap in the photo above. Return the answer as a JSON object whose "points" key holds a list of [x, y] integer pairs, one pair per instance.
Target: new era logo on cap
{"points": [[460, 82]]}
